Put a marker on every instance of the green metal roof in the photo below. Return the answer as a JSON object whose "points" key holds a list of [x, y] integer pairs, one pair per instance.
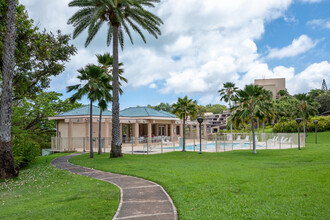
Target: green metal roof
{"points": [[144, 112], [85, 110], [169, 114]]}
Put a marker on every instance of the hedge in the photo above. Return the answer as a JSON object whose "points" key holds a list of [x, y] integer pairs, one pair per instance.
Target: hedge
{"points": [[292, 126]]}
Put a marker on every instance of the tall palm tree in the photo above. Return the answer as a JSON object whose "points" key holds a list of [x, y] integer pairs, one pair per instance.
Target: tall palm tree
{"points": [[106, 63], [228, 94], [119, 15], [251, 103], [306, 107], [97, 87], [183, 109], [7, 163]]}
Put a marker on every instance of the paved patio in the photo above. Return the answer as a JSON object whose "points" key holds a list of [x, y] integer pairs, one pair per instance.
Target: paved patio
{"points": [[140, 199]]}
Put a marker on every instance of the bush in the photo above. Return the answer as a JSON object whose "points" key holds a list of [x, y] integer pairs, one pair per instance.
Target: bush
{"points": [[25, 150], [292, 126]]}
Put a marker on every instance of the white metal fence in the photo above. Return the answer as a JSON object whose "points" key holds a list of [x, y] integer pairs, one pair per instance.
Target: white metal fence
{"points": [[211, 143]]}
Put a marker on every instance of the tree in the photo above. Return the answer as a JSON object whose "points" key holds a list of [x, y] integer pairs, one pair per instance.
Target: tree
{"points": [[215, 109], [97, 87], [324, 101], [251, 103], [183, 109], [162, 106], [106, 63], [119, 15], [228, 94], [38, 55], [7, 163], [306, 107], [282, 93]]}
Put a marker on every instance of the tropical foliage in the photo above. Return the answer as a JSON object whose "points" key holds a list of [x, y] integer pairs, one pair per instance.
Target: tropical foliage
{"points": [[228, 94], [291, 126], [121, 16], [96, 85], [252, 102], [184, 108]]}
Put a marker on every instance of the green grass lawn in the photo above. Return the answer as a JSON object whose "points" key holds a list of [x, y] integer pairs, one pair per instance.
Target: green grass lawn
{"points": [[273, 184], [44, 192]]}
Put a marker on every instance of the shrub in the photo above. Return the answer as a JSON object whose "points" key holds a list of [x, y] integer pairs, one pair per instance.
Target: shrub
{"points": [[25, 150], [292, 126]]}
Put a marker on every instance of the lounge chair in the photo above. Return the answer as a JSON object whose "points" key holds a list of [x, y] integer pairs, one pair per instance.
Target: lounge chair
{"points": [[238, 138]]}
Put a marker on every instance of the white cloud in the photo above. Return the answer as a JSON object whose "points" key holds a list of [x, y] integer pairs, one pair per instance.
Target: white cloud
{"points": [[311, 1], [152, 86], [298, 46], [323, 23]]}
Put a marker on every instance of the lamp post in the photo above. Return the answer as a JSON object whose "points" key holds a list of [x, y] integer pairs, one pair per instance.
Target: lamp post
{"points": [[200, 121], [298, 120], [315, 122]]}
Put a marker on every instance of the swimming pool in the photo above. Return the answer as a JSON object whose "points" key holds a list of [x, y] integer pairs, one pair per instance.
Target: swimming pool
{"points": [[211, 146]]}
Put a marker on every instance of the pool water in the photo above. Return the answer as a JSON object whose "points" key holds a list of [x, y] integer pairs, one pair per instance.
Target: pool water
{"points": [[211, 146]]}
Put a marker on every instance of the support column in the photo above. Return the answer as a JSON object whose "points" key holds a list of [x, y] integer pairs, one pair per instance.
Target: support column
{"points": [[70, 134], [191, 134], [157, 129], [149, 132], [106, 133], [204, 127], [166, 130], [172, 131], [181, 130], [136, 132], [197, 131], [110, 133]]}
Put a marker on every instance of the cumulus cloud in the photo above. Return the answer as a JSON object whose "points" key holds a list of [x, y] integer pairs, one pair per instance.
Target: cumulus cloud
{"points": [[298, 46], [311, 1], [322, 23]]}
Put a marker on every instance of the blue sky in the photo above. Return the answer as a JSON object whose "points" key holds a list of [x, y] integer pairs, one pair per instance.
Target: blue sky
{"points": [[205, 44]]}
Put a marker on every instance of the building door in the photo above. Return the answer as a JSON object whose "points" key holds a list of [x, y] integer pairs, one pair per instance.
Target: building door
{"points": [[161, 130]]}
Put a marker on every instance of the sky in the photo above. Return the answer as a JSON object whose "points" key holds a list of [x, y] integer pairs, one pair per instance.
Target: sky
{"points": [[205, 44]]}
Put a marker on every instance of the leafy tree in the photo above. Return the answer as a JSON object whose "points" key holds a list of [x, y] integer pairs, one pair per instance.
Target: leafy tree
{"points": [[106, 62], [306, 107], [282, 93], [251, 103], [215, 109], [162, 106], [97, 87], [313, 93], [38, 54], [183, 109], [7, 163], [119, 15], [228, 94], [324, 100]]}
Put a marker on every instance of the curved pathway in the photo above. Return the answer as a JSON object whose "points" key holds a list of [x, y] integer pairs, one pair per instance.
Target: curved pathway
{"points": [[140, 199]]}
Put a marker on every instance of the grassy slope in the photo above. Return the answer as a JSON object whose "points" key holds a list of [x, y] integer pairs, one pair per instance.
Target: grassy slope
{"points": [[45, 192], [274, 184]]}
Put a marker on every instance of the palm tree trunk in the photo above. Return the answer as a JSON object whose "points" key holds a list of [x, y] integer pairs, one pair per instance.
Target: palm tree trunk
{"points": [[115, 142], [184, 135], [7, 163], [91, 130], [253, 136], [231, 124], [304, 128], [100, 132], [263, 127]]}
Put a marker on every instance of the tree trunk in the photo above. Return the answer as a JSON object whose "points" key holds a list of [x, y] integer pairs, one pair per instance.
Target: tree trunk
{"points": [[115, 142], [263, 127], [91, 130], [184, 135], [100, 132], [7, 163], [304, 129], [231, 124], [253, 137]]}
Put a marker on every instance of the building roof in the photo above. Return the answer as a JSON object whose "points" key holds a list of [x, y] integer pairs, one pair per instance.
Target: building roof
{"points": [[85, 110], [145, 112]]}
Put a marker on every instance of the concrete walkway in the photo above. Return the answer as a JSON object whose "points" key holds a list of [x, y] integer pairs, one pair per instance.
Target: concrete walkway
{"points": [[140, 199]]}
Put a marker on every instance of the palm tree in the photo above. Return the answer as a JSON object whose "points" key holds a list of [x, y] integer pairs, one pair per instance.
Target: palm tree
{"points": [[183, 109], [251, 103], [7, 163], [106, 63], [119, 15], [228, 94], [97, 87], [306, 107]]}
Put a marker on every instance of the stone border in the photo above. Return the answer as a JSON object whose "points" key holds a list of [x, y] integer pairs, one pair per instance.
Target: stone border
{"points": [[139, 198]]}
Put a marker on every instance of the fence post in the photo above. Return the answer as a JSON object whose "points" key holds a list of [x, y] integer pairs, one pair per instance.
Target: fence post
{"points": [[148, 146], [173, 143], [161, 144], [132, 140], [216, 145]]}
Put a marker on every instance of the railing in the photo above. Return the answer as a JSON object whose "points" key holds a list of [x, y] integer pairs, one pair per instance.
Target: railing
{"points": [[163, 144]]}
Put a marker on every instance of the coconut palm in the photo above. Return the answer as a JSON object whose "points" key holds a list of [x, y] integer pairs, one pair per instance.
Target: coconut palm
{"points": [[184, 108], [251, 103], [7, 163], [119, 15], [97, 87], [106, 63], [228, 94], [306, 107]]}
